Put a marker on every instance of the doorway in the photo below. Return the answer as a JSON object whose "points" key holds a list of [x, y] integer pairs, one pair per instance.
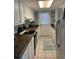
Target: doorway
{"points": [[44, 21]]}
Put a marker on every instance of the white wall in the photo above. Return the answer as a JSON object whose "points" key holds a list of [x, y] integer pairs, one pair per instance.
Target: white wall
{"points": [[29, 13]]}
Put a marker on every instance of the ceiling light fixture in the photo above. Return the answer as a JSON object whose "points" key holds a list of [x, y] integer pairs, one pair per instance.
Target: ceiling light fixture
{"points": [[45, 4]]}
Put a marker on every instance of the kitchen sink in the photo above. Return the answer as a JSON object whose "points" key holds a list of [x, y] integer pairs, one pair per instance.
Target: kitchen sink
{"points": [[30, 32]]}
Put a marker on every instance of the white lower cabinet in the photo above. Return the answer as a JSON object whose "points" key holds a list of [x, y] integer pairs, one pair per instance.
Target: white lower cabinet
{"points": [[30, 50], [29, 53], [32, 47], [25, 56], [38, 33]]}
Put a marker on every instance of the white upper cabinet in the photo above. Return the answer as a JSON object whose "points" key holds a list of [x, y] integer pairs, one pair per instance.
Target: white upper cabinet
{"points": [[22, 11], [16, 12]]}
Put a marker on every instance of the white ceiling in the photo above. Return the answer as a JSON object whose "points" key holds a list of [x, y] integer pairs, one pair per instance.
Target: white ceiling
{"points": [[35, 6]]}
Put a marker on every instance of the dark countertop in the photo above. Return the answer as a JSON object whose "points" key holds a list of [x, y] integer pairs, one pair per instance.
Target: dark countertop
{"points": [[21, 42]]}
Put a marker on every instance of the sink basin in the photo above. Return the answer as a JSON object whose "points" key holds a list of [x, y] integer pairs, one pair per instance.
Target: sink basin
{"points": [[30, 32]]}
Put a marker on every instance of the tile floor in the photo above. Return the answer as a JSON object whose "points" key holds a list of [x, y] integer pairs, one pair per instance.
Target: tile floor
{"points": [[45, 48]]}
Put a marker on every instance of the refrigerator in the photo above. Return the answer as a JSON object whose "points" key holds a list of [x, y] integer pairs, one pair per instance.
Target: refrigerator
{"points": [[60, 35]]}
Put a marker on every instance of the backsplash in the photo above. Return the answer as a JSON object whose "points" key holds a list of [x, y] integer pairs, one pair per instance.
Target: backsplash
{"points": [[16, 28], [35, 22]]}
